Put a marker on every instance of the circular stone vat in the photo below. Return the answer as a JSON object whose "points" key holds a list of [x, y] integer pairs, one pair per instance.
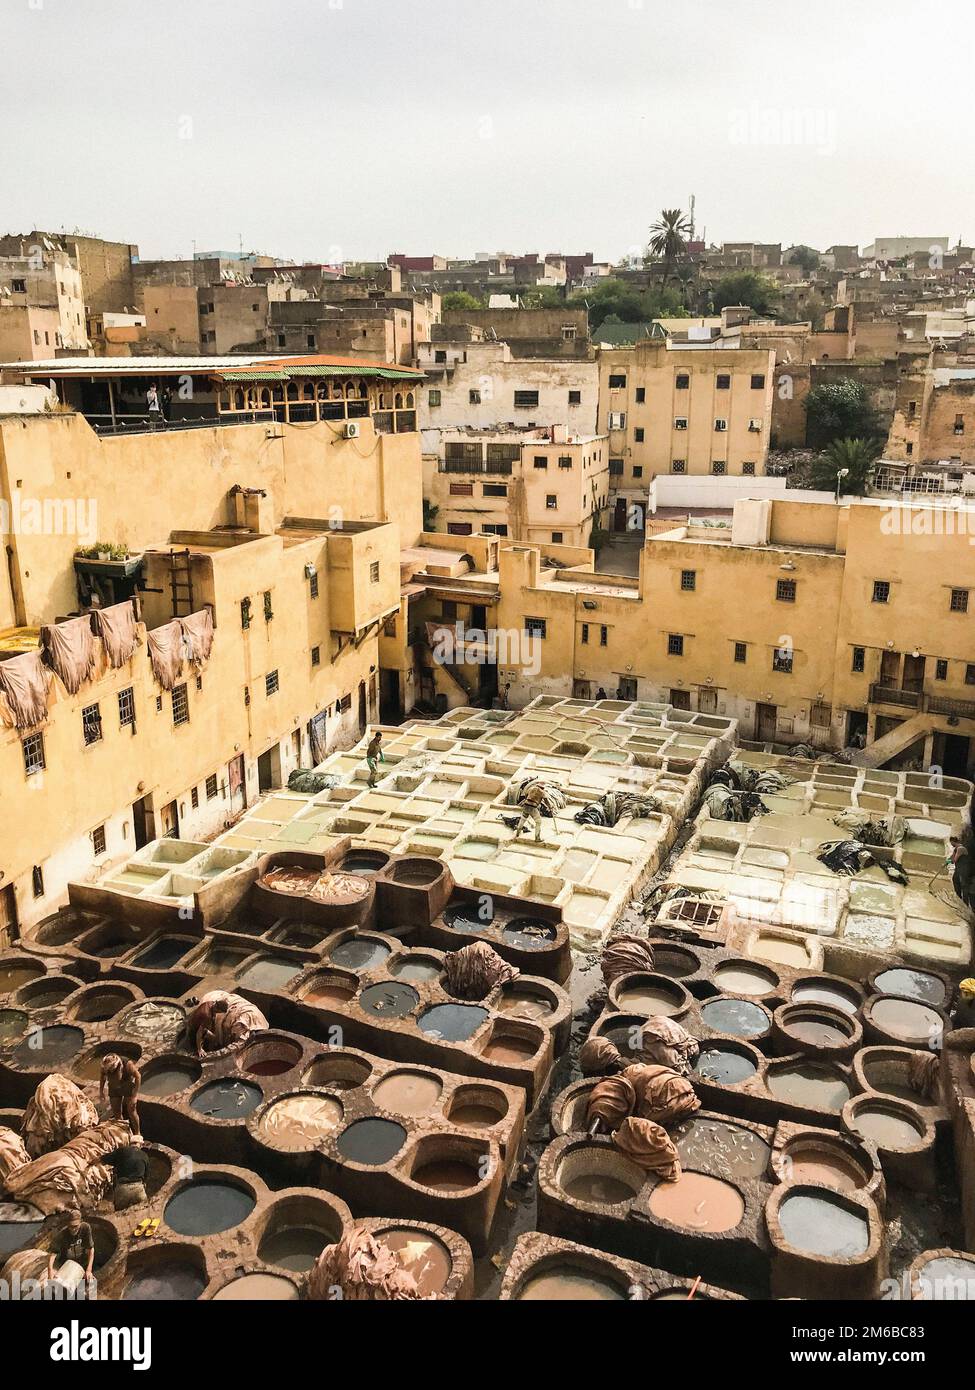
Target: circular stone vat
{"points": [[912, 984], [207, 1206], [528, 934], [523, 1002], [48, 992], [153, 1021], [19, 1224], [258, 1288], [12, 1024], [292, 1241], [48, 1047], [697, 1202], [417, 968], [452, 1022], [408, 1092], [817, 1161], [553, 1282], [905, 1020], [891, 1125], [650, 995], [810, 1085], [802, 1025], [599, 1175], [18, 973], [509, 1047], [742, 977], [888, 1070], [729, 1149], [338, 1071], [227, 1099], [817, 1225], [453, 1171], [477, 1107], [739, 1018], [270, 1057], [364, 861], [174, 1278], [946, 1278], [300, 1122], [269, 972], [724, 1065], [328, 987], [98, 1003], [167, 1076], [163, 954], [391, 999], [417, 873], [421, 1255], [89, 1067], [360, 953], [468, 919], [371, 1142], [674, 962], [831, 992]]}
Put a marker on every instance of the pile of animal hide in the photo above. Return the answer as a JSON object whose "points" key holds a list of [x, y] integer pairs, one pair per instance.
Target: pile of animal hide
{"points": [[613, 806], [361, 1269], [553, 797], [57, 1112], [72, 1176], [635, 1107], [850, 857], [871, 831], [474, 970], [625, 954]]}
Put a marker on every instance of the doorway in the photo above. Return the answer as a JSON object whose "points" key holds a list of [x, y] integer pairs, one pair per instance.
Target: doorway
{"points": [[913, 674], [143, 824], [237, 785], [766, 723], [390, 709], [707, 700], [362, 707], [8, 916], [627, 688], [955, 755], [619, 515], [269, 769], [680, 699], [582, 690]]}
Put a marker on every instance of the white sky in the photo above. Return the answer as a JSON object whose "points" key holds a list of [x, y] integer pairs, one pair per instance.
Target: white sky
{"points": [[328, 129]]}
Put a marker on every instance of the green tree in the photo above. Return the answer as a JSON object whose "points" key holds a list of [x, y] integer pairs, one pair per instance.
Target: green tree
{"points": [[839, 410], [460, 299], [806, 257], [620, 302], [746, 287], [845, 464], [543, 297], [668, 240], [430, 514]]}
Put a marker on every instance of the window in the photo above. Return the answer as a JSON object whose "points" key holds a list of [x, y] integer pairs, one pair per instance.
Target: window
{"points": [[859, 660], [494, 490], [374, 572], [126, 708], [678, 466], [959, 600], [748, 470], [565, 460], [551, 501], [19, 286], [617, 419], [311, 340], [641, 395], [683, 381], [462, 489], [268, 610], [959, 424], [313, 586], [245, 613], [556, 536], [540, 461], [720, 425], [680, 422], [526, 400], [881, 591], [535, 627], [758, 382], [785, 590], [210, 786], [440, 355], [941, 670], [33, 746], [675, 644], [569, 332], [181, 705], [91, 724], [970, 675], [688, 580], [741, 653], [474, 397], [194, 798], [616, 468], [495, 528], [459, 528], [271, 686], [37, 881], [316, 656], [159, 704], [585, 634], [603, 636], [434, 398], [639, 436], [723, 382], [718, 467], [782, 660], [575, 398], [617, 381], [638, 471]]}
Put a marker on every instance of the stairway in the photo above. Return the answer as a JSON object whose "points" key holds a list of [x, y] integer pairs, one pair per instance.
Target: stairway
{"points": [[883, 749]]}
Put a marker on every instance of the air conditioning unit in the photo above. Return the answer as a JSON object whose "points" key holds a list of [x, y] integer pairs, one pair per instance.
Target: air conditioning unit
{"points": [[352, 428]]}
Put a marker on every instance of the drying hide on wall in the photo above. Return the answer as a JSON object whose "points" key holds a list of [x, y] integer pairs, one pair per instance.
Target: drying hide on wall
{"points": [[69, 649], [197, 638], [25, 691], [119, 631], [166, 653]]}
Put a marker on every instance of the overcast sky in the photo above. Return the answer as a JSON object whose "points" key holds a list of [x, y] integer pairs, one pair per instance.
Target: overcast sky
{"points": [[345, 129]]}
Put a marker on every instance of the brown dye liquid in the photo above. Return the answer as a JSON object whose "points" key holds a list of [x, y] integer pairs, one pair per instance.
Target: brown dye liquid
{"points": [[447, 1175], [827, 1169], [263, 1288], [509, 1050], [645, 999], [408, 1093], [420, 1255], [744, 979], [816, 1033], [271, 1066], [523, 1005], [328, 994], [570, 1285], [14, 976], [698, 1203], [474, 1116], [599, 1187], [888, 1131]]}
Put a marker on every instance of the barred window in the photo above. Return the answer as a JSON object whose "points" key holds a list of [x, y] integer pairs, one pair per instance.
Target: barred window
{"points": [[748, 470], [33, 746], [374, 572], [859, 660], [126, 707], [271, 686], [959, 600], [678, 466], [741, 653], [535, 627], [675, 644], [782, 660], [245, 613], [91, 724], [194, 798], [313, 585], [268, 610], [181, 705], [941, 670], [881, 590], [785, 590], [316, 652], [210, 786], [526, 400], [688, 579]]}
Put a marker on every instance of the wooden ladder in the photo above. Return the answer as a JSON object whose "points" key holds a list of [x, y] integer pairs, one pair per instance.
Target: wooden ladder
{"points": [[181, 582]]}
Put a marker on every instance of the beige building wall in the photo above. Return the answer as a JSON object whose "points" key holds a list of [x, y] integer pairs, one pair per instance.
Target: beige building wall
{"points": [[474, 385]]}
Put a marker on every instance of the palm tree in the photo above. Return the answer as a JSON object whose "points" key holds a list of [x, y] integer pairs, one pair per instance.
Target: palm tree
{"points": [[668, 239], [845, 464]]}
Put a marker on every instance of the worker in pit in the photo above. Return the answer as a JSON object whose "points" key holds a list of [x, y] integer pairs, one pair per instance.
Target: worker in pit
{"points": [[121, 1078], [374, 756], [963, 1014], [530, 808]]}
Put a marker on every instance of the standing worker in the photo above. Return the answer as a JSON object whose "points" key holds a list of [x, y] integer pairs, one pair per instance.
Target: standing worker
{"points": [[374, 756], [122, 1079], [530, 808]]}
